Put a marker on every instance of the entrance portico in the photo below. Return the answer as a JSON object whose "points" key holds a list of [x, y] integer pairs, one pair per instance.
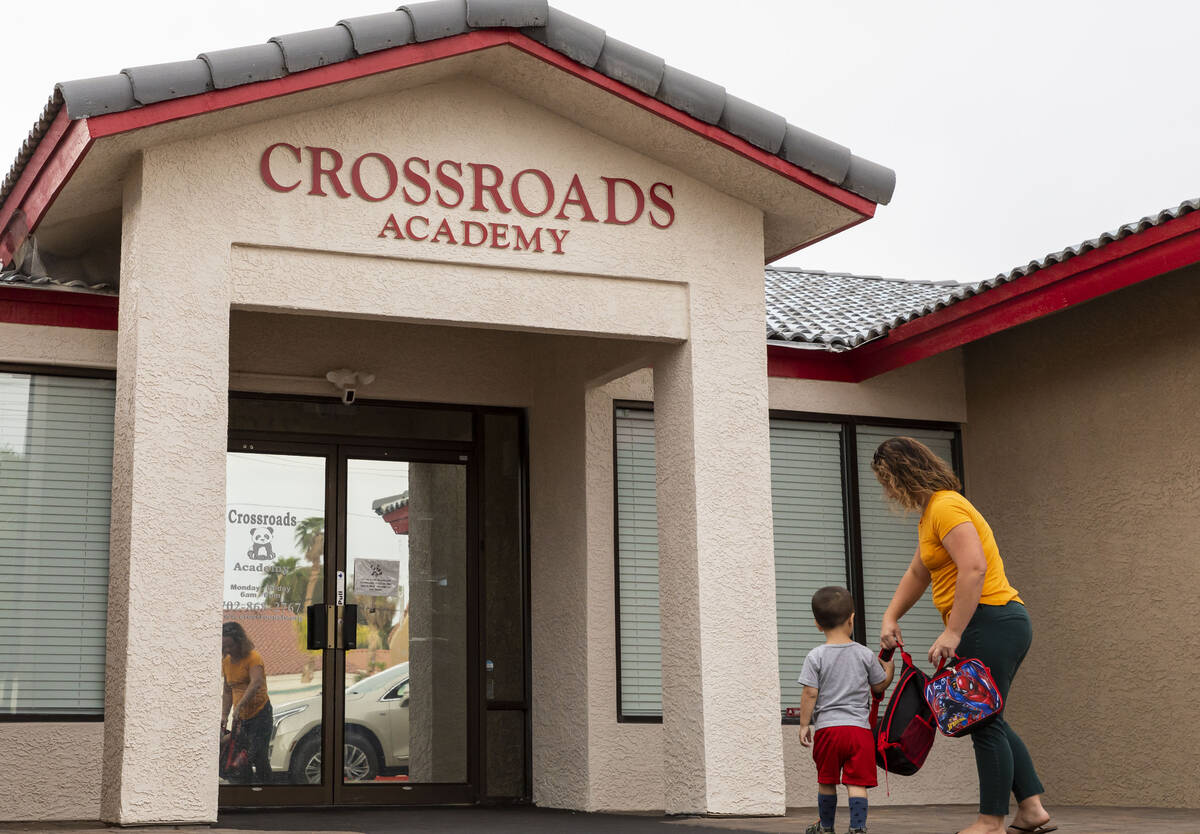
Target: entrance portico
{"points": [[480, 222]]}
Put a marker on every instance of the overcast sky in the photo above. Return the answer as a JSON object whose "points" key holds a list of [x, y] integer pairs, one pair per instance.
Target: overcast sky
{"points": [[1015, 129]]}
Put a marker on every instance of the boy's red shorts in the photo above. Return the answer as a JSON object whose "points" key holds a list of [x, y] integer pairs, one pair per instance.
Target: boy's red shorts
{"points": [[846, 755]]}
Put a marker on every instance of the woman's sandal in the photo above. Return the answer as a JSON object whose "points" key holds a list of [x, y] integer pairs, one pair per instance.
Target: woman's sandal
{"points": [[1041, 829]]}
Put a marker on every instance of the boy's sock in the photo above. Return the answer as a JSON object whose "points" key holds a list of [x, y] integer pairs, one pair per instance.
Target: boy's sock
{"points": [[827, 808], [858, 812]]}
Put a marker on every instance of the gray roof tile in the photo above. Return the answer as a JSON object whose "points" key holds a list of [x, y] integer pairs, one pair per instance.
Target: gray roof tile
{"points": [[160, 82], [840, 311], [692, 94], [245, 64], [315, 48], [438, 19], [870, 179], [758, 126], [96, 96], [12, 278], [578, 40], [816, 153], [374, 32], [626, 63], [506, 14]]}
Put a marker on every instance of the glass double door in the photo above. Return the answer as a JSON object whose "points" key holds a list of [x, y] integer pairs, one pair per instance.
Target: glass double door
{"points": [[350, 651]]}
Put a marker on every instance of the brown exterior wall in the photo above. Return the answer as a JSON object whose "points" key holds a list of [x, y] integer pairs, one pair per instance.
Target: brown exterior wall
{"points": [[1082, 452]]}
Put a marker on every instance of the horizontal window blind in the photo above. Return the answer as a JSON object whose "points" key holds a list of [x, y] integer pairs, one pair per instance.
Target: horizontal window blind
{"points": [[889, 539], [637, 565], [810, 537], [56, 438]]}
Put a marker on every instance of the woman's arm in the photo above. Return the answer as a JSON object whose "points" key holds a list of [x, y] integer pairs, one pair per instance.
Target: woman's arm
{"points": [[966, 551], [912, 586], [226, 703]]}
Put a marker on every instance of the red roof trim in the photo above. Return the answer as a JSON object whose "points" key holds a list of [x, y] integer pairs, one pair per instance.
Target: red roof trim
{"points": [[58, 308], [56, 157], [65, 143], [1122, 263]]}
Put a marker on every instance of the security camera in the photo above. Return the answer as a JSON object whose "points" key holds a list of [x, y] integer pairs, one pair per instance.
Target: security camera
{"points": [[346, 381]]}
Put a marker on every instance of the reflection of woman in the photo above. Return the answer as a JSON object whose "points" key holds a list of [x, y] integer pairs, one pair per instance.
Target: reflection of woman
{"points": [[246, 691], [983, 615]]}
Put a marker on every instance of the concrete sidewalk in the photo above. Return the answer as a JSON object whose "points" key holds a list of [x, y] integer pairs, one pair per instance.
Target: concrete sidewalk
{"points": [[940, 819]]}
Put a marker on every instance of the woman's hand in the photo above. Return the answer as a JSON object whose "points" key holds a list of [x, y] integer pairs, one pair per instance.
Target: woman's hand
{"points": [[889, 635], [944, 647]]}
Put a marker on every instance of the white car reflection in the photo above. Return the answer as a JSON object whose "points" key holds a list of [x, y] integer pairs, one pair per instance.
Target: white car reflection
{"points": [[376, 731]]}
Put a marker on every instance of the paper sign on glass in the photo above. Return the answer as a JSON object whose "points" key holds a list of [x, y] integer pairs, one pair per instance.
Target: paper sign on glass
{"points": [[376, 577]]}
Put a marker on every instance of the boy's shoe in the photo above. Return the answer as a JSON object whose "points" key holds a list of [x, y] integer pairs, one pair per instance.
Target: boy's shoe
{"points": [[857, 831], [816, 828]]}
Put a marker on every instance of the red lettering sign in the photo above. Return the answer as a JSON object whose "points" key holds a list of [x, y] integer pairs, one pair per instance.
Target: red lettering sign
{"points": [[375, 177]]}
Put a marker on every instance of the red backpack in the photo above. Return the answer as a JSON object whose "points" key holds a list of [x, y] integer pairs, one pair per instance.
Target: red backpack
{"points": [[905, 731]]}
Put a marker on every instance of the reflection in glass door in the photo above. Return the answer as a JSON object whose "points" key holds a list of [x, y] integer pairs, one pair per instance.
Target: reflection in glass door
{"points": [[406, 701], [272, 707]]}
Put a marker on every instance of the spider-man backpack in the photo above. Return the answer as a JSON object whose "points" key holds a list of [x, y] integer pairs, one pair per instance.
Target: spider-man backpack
{"points": [[905, 731], [963, 697]]}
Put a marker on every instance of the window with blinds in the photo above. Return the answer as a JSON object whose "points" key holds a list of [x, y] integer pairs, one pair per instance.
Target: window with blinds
{"points": [[810, 537], [56, 437], [814, 546], [640, 653], [889, 539]]}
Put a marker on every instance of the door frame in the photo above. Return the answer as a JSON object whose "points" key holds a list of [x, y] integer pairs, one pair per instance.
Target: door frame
{"points": [[337, 449]]}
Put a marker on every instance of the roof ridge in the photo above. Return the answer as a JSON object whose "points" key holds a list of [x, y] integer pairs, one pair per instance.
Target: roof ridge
{"points": [[822, 272], [582, 42]]}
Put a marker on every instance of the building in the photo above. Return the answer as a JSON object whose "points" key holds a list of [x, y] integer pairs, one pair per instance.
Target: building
{"points": [[481, 257]]}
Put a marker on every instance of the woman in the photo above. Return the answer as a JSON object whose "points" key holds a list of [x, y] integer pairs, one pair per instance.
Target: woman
{"points": [[983, 615], [246, 691]]}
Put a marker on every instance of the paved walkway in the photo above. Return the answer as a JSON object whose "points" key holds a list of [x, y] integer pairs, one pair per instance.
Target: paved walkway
{"points": [[940, 819]]}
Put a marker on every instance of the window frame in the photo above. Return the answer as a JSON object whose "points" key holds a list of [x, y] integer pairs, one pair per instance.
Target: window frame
{"points": [[640, 405], [35, 369], [850, 491], [849, 424]]}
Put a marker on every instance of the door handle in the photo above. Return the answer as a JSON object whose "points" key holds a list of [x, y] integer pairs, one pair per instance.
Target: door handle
{"points": [[347, 623], [320, 627], [332, 627]]}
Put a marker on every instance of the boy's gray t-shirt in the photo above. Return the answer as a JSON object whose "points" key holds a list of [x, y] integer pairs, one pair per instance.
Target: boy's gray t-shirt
{"points": [[843, 674]]}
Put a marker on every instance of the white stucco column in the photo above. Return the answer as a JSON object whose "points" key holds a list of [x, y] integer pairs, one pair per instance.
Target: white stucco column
{"points": [[558, 570], [722, 746], [166, 561]]}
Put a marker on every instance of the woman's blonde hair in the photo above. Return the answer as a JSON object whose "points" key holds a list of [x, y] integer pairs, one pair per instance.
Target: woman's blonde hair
{"points": [[910, 472]]}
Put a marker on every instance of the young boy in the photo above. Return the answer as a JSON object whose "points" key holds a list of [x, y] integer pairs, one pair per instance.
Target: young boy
{"points": [[839, 678]]}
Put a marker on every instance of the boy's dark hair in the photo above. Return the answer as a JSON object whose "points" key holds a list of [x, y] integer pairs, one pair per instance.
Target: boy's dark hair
{"points": [[832, 606]]}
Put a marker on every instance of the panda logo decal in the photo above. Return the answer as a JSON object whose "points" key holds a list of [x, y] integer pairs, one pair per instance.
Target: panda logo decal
{"points": [[260, 543]]}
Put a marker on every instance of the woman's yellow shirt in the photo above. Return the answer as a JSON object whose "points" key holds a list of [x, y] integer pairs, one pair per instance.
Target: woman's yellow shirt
{"points": [[945, 511]]}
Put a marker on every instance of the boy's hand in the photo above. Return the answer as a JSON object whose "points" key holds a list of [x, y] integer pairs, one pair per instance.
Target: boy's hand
{"points": [[806, 735]]}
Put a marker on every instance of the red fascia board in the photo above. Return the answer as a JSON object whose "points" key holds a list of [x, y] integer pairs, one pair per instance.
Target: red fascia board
{"points": [[58, 308], [1122, 263], [421, 53], [65, 143], [56, 157], [806, 363]]}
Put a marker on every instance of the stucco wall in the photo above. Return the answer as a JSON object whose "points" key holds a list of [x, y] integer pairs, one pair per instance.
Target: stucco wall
{"points": [[78, 347], [626, 758], [1082, 453], [931, 389], [50, 771]]}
